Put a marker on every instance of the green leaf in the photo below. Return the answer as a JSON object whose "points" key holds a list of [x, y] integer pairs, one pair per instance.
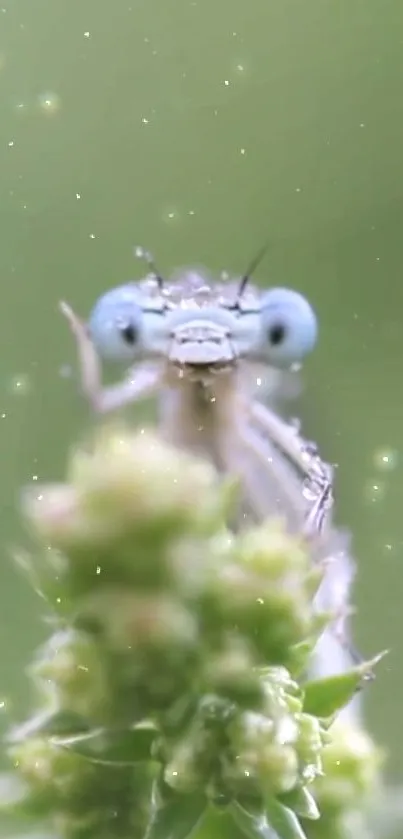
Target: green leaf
{"points": [[53, 723], [283, 820], [324, 697], [302, 802], [177, 817], [300, 655], [252, 823], [127, 746]]}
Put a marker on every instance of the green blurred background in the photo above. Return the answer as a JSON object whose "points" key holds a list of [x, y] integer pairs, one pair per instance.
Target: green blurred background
{"points": [[197, 128]]}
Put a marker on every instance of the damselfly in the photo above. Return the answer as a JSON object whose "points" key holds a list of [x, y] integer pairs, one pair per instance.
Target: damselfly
{"points": [[205, 350]]}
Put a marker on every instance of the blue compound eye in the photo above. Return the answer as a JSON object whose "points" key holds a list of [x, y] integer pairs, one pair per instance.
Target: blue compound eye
{"points": [[115, 324], [289, 327]]}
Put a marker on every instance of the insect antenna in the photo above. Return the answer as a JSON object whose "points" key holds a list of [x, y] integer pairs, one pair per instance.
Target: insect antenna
{"points": [[251, 268], [140, 253]]}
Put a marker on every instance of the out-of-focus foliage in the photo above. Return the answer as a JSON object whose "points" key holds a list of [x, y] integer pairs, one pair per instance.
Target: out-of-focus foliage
{"points": [[170, 695]]}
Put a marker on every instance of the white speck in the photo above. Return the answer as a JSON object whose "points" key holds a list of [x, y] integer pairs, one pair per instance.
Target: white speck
{"points": [[20, 384], [226, 82], [86, 34], [19, 106], [78, 196], [3, 416], [362, 124], [240, 67], [378, 258], [10, 143], [243, 151], [49, 102], [385, 459], [34, 477], [145, 121], [374, 492], [171, 215], [92, 235], [298, 189], [191, 213]]}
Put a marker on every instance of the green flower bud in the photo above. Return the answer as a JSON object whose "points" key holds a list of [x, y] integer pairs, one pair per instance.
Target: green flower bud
{"points": [[231, 673], [73, 665], [263, 757], [270, 553], [193, 757], [309, 746], [351, 764], [136, 479], [264, 589], [53, 771], [129, 499]]}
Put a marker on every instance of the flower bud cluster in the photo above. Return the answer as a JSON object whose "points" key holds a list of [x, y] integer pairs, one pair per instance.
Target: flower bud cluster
{"points": [[177, 644]]}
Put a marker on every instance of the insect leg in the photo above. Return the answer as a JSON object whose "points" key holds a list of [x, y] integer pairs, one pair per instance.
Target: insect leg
{"points": [[105, 399], [335, 651], [284, 436]]}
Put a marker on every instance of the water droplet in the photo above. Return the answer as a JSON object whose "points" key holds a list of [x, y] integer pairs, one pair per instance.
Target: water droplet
{"points": [[49, 102], [20, 384], [374, 491], [171, 215], [385, 459]]}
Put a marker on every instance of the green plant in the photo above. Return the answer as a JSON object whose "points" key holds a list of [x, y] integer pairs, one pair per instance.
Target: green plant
{"points": [[171, 694]]}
